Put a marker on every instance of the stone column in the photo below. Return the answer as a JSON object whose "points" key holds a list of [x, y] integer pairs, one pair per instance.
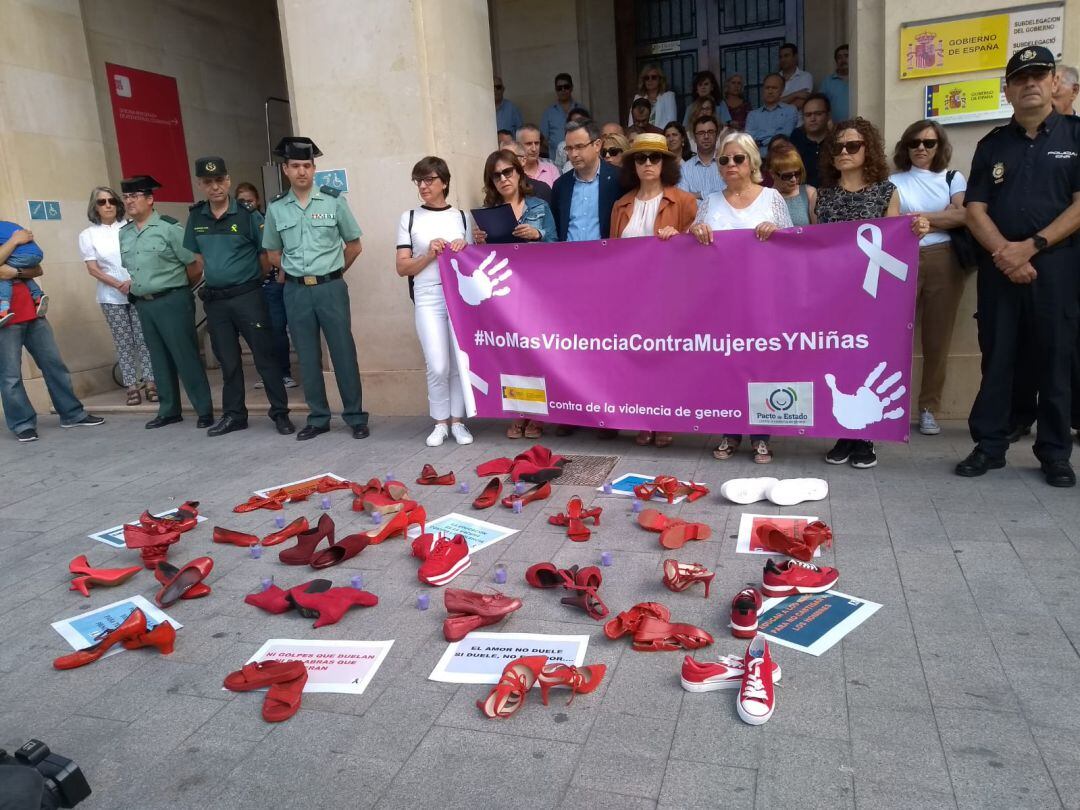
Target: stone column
{"points": [[377, 86]]}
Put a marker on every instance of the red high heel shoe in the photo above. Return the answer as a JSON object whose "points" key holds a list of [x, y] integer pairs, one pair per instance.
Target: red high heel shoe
{"points": [[234, 538], [586, 582], [131, 627], [329, 606], [574, 519], [152, 544], [105, 577], [429, 477], [166, 572], [184, 519], [546, 575], [669, 487], [302, 552], [352, 545], [538, 493], [163, 637], [580, 681], [298, 526], [183, 580], [509, 693], [489, 495], [680, 576]]}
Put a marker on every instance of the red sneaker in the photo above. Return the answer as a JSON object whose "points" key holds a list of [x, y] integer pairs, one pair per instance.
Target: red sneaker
{"points": [[744, 608], [445, 561], [795, 576], [757, 698], [422, 545], [709, 676]]}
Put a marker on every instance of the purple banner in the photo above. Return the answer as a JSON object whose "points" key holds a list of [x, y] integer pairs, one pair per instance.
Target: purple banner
{"points": [[809, 333]]}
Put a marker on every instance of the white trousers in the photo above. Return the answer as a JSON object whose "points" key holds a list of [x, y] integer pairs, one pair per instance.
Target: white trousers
{"points": [[445, 398]]}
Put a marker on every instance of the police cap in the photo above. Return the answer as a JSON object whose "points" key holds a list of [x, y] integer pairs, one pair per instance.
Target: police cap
{"points": [[1034, 58], [296, 148], [140, 182], [210, 167]]}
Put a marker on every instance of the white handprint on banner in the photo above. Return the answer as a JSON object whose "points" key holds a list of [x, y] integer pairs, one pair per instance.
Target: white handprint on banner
{"points": [[866, 406], [483, 283]]}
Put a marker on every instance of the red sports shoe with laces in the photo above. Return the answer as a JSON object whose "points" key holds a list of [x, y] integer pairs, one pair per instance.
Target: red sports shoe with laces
{"points": [[744, 608], [709, 676], [445, 560], [757, 698], [795, 576]]}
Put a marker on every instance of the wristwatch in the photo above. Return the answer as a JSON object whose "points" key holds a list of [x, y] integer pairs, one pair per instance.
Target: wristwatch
{"points": [[1039, 242]]}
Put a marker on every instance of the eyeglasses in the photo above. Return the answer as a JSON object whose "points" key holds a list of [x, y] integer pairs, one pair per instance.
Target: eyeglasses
{"points": [[505, 174], [101, 203], [641, 158], [705, 133], [926, 143], [724, 160], [613, 151], [851, 147], [561, 87], [425, 181], [131, 195], [789, 176], [570, 148]]}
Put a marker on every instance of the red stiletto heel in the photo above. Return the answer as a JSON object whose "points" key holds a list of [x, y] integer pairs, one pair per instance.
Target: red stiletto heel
{"points": [[509, 693], [586, 582], [132, 626], [574, 519], [580, 681], [105, 577], [163, 637], [295, 528], [680, 576], [234, 538], [306, 542]]}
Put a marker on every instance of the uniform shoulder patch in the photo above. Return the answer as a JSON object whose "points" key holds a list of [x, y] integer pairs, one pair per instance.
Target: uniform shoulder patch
{"points": [[333, 192], [280, 196], [193, 206], [170, 220]]}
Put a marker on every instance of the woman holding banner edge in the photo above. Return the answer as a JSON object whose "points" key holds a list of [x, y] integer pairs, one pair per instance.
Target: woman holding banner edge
{"points": [[653, 206], [855, 185], [744, 203]]}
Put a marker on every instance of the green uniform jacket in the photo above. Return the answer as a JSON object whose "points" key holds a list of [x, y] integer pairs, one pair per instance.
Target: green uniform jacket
{"points": [[230, 246], [155, 255], [310, 239]]}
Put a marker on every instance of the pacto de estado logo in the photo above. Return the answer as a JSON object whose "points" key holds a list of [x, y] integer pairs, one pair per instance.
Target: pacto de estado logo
{"points": [[781, 399]]}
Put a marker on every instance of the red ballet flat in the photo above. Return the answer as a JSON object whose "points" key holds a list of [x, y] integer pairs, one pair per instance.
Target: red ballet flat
{"points": [[132, 626], [429, 477], [292, 530], [306, 542], [105, 577], [184, 519], [165, 572], [183, 580], [539, 492], [234, 538], [489, 495], [329, 606]]}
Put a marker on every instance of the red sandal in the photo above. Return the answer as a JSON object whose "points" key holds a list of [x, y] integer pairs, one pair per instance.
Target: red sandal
{"points": [[585, 585], [680, 576], [656, 635], [282, 699], [574, 519], [579, 680], [678, 535], [628, 621], [509, 693]]}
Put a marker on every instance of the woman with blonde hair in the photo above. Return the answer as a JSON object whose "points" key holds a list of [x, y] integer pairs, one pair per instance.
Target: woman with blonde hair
{"points": [[612, 147], [653, 86]]}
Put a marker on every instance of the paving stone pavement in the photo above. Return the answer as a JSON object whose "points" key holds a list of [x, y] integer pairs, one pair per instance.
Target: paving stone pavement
{"points": [[962, 691]]}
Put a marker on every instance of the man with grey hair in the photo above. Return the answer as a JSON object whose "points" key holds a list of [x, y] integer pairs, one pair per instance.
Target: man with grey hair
{"points": [[536, 168], [1068, 85]]}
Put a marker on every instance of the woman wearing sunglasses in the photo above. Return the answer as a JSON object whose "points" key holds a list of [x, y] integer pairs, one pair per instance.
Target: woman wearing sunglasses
{"points": [[612, 147], [653, 206], [927, 187], [505, 183], [99, 246], [652, 85], [856, 186], [789, 178], [744, 203], [424, 233]]}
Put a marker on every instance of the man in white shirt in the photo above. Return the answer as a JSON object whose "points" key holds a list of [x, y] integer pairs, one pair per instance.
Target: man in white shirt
{"points": [[536, 168], [798, 84], [700, 174]]}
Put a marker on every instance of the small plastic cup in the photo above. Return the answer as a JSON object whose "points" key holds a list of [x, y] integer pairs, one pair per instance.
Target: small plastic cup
{"points": [[324, 502], [606, 558], [389, 477], [500, 574], [423, 601], [607, 488], [517, 507], [357, 581], [279, 521], [267, 583], [636, 508], [376, 518], [255, 552], [463, 487], [519, 487]]}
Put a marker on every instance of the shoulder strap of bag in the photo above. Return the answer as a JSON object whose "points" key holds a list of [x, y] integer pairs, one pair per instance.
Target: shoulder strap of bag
{"points": [[949, 175]]}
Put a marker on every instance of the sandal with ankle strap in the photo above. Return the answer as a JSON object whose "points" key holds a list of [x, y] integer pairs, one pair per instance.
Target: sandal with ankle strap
{"points": [[656, 635], [680, 576], [579, 680], [509, 693]]}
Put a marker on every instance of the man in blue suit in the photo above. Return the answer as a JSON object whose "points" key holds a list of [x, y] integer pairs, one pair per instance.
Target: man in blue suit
{"points": [[582, 198]]}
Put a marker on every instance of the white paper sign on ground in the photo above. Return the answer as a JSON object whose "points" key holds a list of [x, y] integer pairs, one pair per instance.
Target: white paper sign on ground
{"points": [[345, 667], [477, 533], [748, 543], [814, 622], [115, 536], [262, 493], [482, 657], [87, 629], [624, 485]]}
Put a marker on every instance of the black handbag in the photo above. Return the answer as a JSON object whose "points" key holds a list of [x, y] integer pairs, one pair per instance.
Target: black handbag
{"points": [[963, 243]]}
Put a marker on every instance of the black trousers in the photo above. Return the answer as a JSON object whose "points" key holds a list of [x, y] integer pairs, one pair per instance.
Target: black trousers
{"points": [[1034, 325], [227, 319]]}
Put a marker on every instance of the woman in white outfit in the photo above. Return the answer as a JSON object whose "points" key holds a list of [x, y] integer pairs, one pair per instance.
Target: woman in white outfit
{"points": [[424, 233], [744, 203]]}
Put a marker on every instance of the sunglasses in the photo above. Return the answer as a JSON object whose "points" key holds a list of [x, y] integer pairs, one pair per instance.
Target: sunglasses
{"points": [[611, 152], [789, 176], [425, 181], [648, 157], [851, 147], [505, 174], [926, 143], [564, 87], [110, 201], [724, 160]]}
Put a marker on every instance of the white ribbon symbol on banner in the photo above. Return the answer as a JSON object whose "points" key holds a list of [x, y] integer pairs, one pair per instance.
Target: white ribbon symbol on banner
{"points": [[879, 259]]}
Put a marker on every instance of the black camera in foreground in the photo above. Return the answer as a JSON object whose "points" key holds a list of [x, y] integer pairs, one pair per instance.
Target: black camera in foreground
{"points": [[58, 781]]}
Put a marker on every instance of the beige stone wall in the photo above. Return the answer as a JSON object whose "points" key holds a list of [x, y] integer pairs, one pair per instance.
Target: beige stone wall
{"points": [[885, 99]]}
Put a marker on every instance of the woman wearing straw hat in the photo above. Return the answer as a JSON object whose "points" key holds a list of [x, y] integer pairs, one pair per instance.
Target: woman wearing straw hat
{"points": [[653, 206]]}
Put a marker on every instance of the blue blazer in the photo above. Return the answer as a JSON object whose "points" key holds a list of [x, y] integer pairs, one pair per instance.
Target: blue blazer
{"points": [[562, 191]]}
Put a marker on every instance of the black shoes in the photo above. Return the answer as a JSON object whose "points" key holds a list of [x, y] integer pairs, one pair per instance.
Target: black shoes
{"points": [[284, 425], [1059, 473], [840, 452], [310, 432], [227, 424], [28, 435], [162, 421], [977, 463], [360, 432], [87, 421], [205, 421], [863, 456]]}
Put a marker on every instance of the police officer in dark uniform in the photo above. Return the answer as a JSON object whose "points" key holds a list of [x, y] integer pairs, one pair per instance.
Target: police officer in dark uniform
{"points": [[1023, 206], [227, 238]]}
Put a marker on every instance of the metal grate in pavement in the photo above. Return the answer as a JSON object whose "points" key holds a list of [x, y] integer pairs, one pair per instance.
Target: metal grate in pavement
{"points": [[586, 471]]}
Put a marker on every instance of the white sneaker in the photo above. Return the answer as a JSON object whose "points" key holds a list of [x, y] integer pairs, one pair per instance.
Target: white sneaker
{"points": [[928, 425], [792, 491], [289, 381], [461, 433], [747, 490], [438, 435]]}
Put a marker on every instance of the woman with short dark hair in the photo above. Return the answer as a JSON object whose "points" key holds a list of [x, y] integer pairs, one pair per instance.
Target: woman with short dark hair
{"points": [[423, 234], [927, 187], [705, 85]]}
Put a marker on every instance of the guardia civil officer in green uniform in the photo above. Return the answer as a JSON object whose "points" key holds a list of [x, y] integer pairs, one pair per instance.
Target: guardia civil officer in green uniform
{"points": [[162, 270], [227, 238], [313, 237]]}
